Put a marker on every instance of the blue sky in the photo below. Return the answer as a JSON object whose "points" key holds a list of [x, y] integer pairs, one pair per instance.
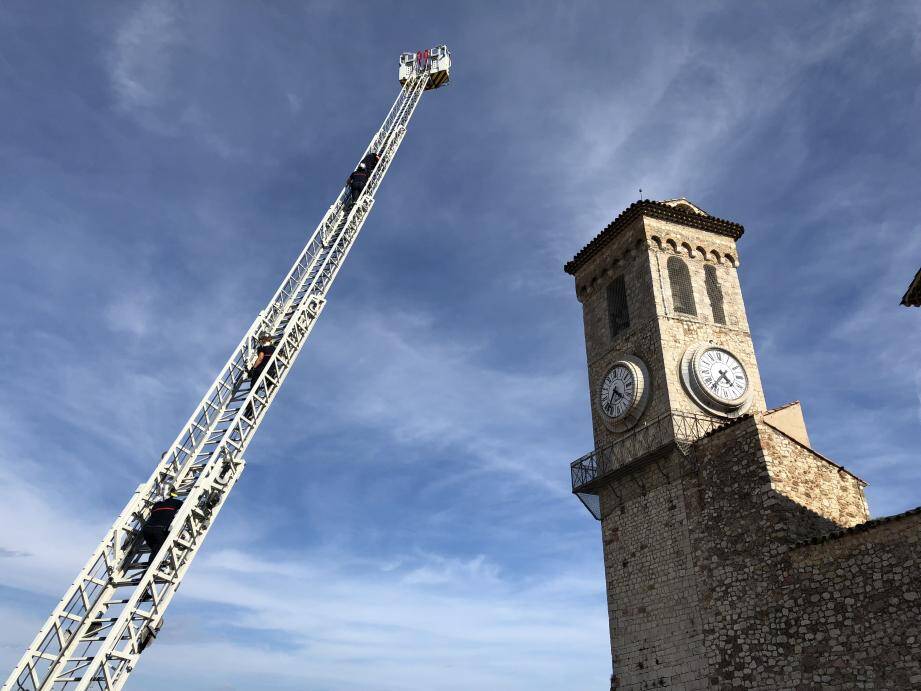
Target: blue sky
{"points": [[405, 521]]}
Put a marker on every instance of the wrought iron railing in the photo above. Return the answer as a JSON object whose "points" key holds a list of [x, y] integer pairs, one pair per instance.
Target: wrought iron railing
{"points": [[674, 426]]}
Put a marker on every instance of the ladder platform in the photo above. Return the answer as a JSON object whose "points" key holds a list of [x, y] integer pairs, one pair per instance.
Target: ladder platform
{"points": [[434, 61]]}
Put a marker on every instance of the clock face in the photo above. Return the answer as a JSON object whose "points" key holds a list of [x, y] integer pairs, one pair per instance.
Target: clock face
{"points": [[721, 374], [618, 391], [623, 393], [716, 380]]}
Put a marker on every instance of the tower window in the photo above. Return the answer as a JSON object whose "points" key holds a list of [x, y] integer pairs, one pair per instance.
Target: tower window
{"points": [[682, 293], [618, 314], [715, 293]]}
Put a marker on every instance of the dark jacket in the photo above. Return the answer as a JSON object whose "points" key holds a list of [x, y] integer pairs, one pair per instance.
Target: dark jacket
{"points": [[163, 512], [358, 179], [266, 351]]}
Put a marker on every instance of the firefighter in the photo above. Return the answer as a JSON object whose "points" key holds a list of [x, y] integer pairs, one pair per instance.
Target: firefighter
{"points": [[157, 527], [356, 182], [263, 355], [369, 162]]}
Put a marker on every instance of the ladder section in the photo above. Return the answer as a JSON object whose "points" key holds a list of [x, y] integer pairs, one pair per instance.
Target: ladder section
{"points": [[114, 609]]}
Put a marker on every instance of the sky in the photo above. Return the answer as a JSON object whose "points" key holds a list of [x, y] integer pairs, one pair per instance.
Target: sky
{"points": [[404, 521]]}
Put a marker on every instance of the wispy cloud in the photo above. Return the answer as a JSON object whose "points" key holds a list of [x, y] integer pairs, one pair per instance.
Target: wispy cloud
{"points": [[424, 391], [429, 616], [142, 59], [13, 553]]}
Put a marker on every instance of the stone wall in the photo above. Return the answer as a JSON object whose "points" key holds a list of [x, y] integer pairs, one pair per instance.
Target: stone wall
{"points": [[841, 614], [654, 612], [627, 255], [851, 607], [838, 614], [749, 564], [812, 481]]}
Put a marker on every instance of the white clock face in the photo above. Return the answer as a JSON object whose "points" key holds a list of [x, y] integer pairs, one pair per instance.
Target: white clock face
{"points": [[618, 391], [721, 374]]}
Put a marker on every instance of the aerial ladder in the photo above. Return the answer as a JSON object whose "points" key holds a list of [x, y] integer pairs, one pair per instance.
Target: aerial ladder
{"points": [[114, 609]]}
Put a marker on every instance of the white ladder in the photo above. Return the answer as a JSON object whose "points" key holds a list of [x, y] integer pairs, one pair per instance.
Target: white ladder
{"points": [[115, 607]]}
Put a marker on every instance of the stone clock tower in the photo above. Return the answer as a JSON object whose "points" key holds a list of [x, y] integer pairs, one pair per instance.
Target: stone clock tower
{"points": [[661, 299], [670, 357], [705, 497]]}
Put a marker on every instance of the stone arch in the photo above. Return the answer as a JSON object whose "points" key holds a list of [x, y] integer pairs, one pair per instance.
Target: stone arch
{"points": [[671, 245], [730, 259], [687, 249], [715, 293], [679, 278], [715, 256]]}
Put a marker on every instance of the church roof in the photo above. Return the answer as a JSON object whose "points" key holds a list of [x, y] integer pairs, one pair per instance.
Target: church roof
{"points": [[913, 295], [675, 210], [781, 407], [860, 527], [684, 204]]}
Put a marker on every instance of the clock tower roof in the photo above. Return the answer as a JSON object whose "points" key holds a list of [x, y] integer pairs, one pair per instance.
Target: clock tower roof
{"points": [[679, 211]]}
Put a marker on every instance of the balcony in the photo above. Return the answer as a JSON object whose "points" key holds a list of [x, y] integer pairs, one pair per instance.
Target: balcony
{"points": [[675, 426]]}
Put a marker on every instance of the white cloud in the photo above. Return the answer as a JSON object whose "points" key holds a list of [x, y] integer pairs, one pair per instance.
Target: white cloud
{"points": [[376, 627], [141, 59], [671, 111], [129, 312], [416, 620], [45, 530], [395, 373], [144, 75]]}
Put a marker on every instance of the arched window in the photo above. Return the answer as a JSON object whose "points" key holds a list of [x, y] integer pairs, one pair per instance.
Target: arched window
{"points": [[618, 314], [715, 293], [682, 293]]}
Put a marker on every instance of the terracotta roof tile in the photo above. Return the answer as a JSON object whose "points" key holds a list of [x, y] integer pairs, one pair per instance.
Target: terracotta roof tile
{"points": [[663, 212]]}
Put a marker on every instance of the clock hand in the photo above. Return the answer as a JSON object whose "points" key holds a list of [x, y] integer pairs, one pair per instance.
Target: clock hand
{"points": [[723, 376]]}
